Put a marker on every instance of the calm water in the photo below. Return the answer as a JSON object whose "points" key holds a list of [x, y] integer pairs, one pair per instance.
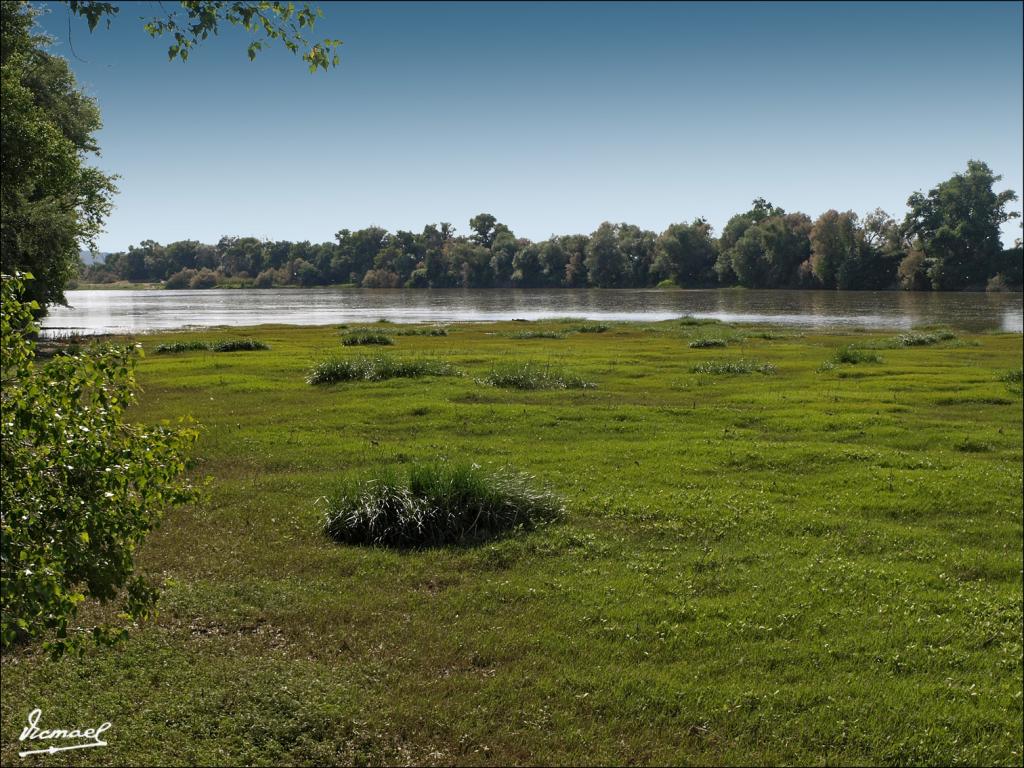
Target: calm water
{"points": [[138, 311]]}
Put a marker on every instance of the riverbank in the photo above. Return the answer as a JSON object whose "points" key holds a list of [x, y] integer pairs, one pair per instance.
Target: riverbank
{"points": [[818, 563]]}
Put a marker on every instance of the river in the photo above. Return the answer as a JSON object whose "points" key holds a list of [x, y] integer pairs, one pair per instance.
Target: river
{"points": [[138, 311]]}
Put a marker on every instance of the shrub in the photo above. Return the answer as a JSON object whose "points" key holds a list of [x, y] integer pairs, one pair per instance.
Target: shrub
{"points": [[1013, 377], [238, 345], [593, 328], [79, 486], [437, 504], [180, 346], [204, 278], [729, 367], [361, 338], [180, 279], [707, 343], [530, 375], [379, 368]]}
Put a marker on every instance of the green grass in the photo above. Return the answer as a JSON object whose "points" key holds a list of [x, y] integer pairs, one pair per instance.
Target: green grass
{"points": [[532, 375], [592, 328], [436, 504], [332, 370], [363, 338], [537, 335], [804, 568], [411, 330]]}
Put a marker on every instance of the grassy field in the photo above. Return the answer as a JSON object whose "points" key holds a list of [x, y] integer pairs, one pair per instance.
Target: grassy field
{"points": [[786, 549]]}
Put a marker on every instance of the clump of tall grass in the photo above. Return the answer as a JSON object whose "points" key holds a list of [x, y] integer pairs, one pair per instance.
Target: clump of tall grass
{"points": [[922, 339], [851, 355], [362, 338], [238, 345], [437, 504], [538, 335], [706, 343], [378, 368], [592, 328], [691, 320], [180, 346], [530, 375], [729, 367]]}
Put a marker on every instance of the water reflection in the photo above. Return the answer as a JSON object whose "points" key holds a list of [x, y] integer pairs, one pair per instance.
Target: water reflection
{"points": [[146, 310]]}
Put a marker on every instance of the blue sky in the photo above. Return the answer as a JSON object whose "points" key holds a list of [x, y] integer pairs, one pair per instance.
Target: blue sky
{"points": [[554, 117]]}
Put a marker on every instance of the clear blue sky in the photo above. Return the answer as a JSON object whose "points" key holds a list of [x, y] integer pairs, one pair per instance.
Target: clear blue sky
{"points": [[554, 117]]}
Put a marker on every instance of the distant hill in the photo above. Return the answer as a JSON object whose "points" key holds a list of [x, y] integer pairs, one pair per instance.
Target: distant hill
{"points": [[93, 258]]}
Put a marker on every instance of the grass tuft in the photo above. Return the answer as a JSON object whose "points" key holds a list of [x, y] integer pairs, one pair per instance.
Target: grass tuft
{"points": [[180, 346], [592, 328], [851, 355], [922, 339], [691, 320], [707, 343], [437, 504], [363, 338], [378, 368], [730, 367], [531, 375], [238, 345]]}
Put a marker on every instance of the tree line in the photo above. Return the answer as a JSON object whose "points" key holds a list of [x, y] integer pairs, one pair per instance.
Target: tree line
{"points": [[948, 240]]}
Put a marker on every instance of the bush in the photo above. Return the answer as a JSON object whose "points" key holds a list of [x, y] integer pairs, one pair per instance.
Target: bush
{"points": [[180, 346], [180, 279], [360, 338], [238, 345], [437, 504], [79, 486], [204, 278], [593, 328], [707, 343], [530, 375], [379, 368], [729, 367]]}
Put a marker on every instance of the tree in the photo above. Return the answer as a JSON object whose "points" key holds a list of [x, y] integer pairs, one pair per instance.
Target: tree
{"points": [[605, 261], [267, 21], [685, 253], [485, 227], [52, 201], [956, 226], [734, 231]]}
